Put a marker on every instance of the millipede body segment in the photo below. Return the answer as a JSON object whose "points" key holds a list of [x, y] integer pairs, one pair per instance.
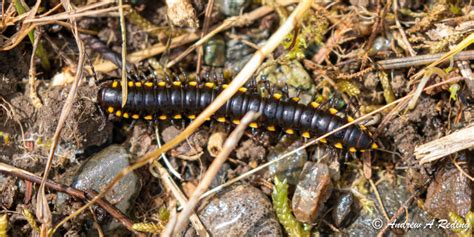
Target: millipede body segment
{"points": [[161, 101]]}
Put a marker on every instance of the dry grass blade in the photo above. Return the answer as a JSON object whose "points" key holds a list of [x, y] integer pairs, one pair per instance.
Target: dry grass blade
{"points": [[243, 176], [233, 87], [213, 169], [454, 142], [123, 30], [42, 208]]}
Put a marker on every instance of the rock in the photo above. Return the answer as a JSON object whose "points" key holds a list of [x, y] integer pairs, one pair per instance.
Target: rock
{"points": [[346, 209], [450, 191], [100, 169], [240, 210], [231, 7], [393, 196], [214, 52], [312, 191], [291, 77], [290, 167]]}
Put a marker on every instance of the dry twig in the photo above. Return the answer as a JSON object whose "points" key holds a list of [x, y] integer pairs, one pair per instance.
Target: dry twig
{"points": [[446, 145]]}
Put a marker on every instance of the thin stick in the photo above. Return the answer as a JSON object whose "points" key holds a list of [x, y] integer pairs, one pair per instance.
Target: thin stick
{"points": [[83, 195], [247, 174], [420, 60], [461, 170], [169, 184], [223, 97], [213, 169], [400, 210], [379, 199], [123, 30]]}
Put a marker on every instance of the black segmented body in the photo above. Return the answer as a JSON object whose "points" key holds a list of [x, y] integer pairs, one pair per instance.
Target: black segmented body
{"points": [[150, 101]]}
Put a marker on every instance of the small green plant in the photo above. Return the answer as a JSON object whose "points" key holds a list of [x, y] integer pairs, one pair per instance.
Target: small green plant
{"points": [[281, 205]]}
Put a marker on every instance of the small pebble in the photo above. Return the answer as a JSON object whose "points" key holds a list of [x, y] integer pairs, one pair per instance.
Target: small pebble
{"points": [[312, 191], [346, 210], [290, 167], [240, 210]]}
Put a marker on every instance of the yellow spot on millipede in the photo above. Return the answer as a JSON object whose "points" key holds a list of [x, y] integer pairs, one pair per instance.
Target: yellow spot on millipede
{"points": [[163, 117], [149, 84], [118, 113], [138, 84], [323, 140], [374, 146], [352, 149], [148, 117], [191, 116], [125, 115], [221, 119], [350, 119], [225, 86], [236, 121], [277, 96], [161, 84], [306, 135], [130, 84], [271, 128], [295, 99], [338, 145], [253, 125], [110, 109], [192, 83], [177, 116], [315, 104], [177, 83], [115, 84], [135, 116], [289, 131], [242, 89], [333, 111], [209, 85]]}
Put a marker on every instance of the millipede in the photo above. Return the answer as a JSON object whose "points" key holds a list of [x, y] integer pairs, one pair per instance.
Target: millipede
{"points": [[162, 101]]}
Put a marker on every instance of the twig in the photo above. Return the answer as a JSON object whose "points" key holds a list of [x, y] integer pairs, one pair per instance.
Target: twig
{"points": [[461, 169], [402, 32], [446, 145], [213, 169], [83, 195], [400, 210], [205, 28], [421, 60], [169, 184], [379, 199], [221, 99]]}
